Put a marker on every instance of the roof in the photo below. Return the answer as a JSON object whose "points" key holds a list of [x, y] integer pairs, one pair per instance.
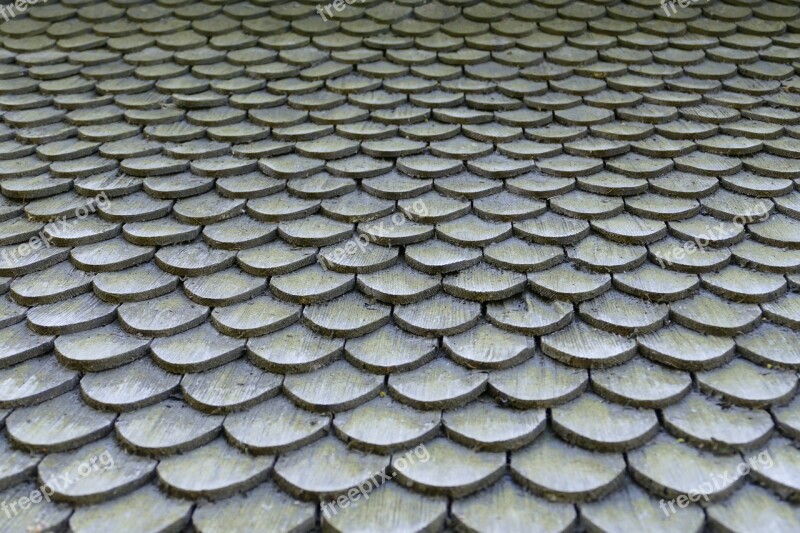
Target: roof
{"points": [[499, 265]]}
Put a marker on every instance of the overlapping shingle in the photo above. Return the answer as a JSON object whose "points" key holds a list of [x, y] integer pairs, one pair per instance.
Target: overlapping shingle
{"points": [[533, 263]]}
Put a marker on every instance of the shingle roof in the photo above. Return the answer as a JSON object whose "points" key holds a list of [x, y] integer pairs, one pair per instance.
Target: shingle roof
{"points": [[535, 261]]}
